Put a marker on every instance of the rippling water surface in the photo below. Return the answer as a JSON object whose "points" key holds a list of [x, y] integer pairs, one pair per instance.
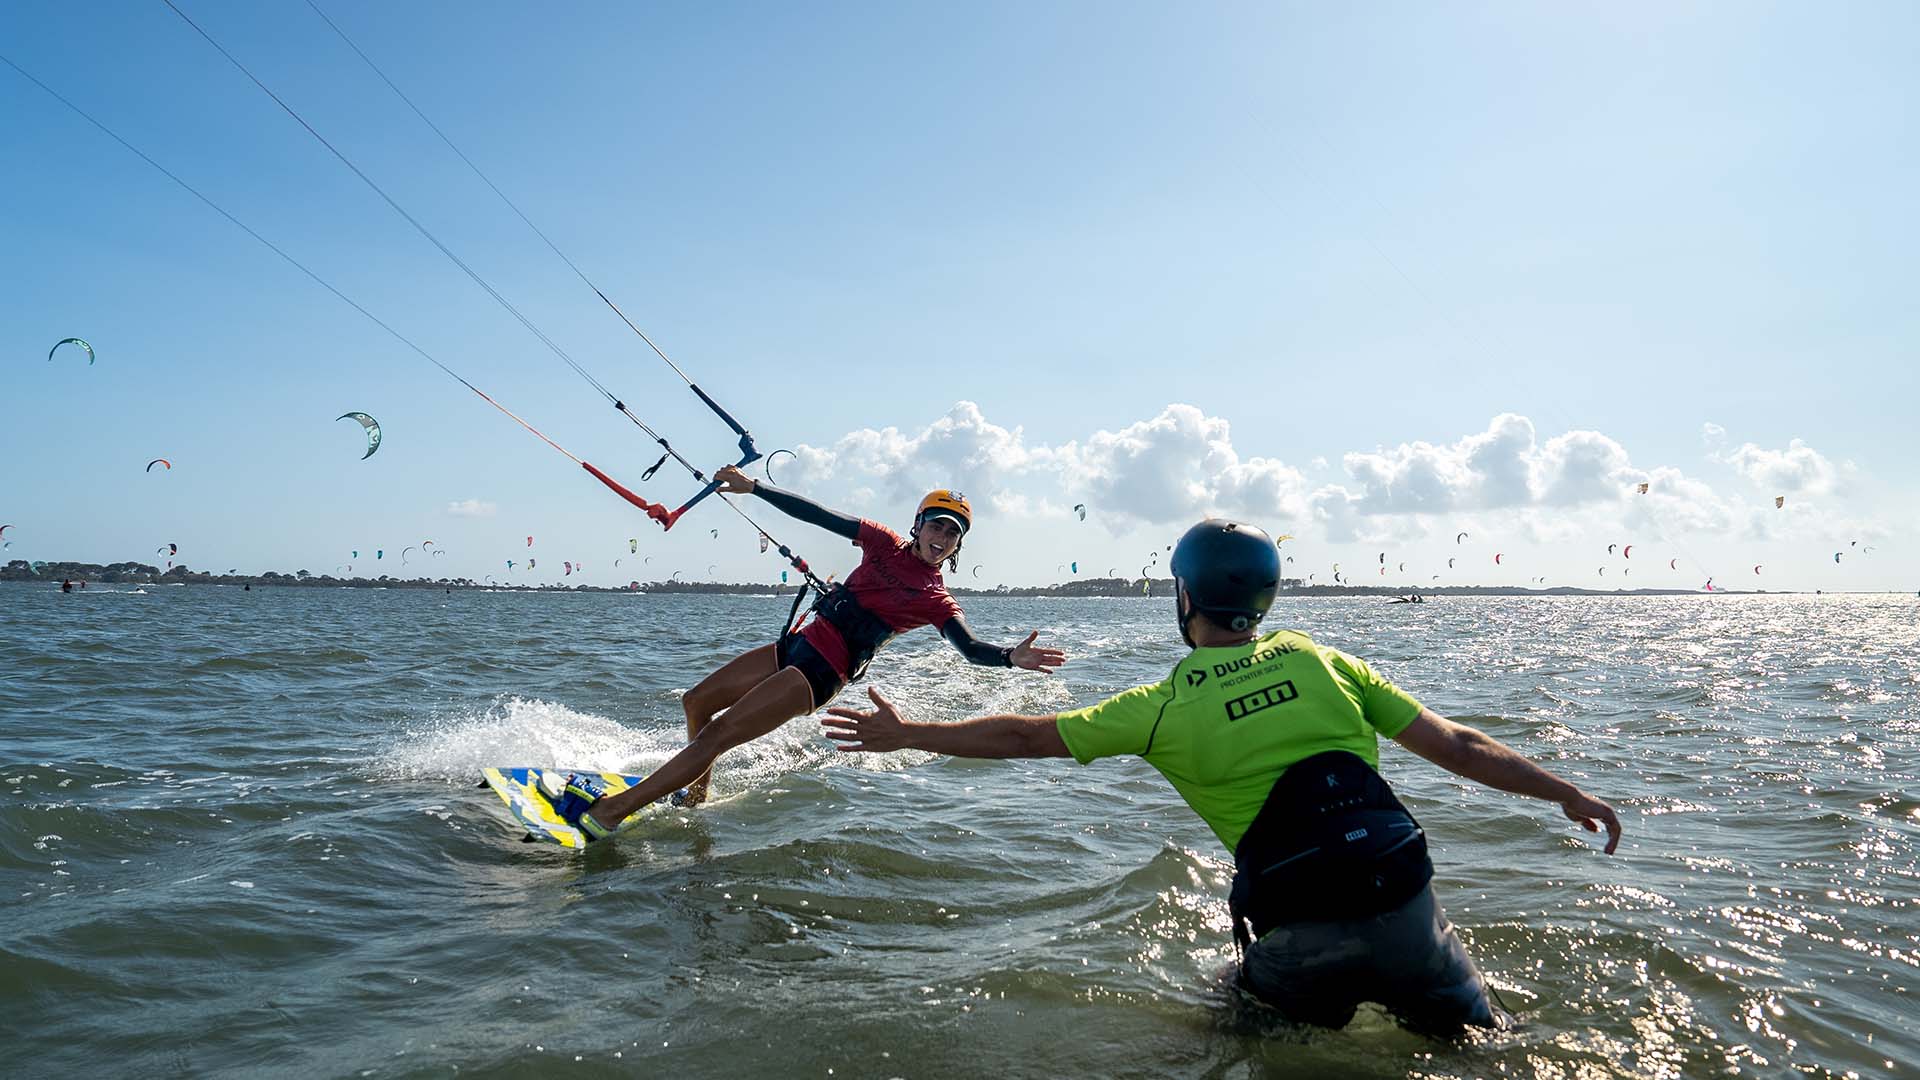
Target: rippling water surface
{"points": [[239, 836]]}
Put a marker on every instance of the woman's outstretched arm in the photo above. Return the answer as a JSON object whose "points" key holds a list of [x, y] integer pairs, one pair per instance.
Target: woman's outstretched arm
{"points": [[735, 482]]}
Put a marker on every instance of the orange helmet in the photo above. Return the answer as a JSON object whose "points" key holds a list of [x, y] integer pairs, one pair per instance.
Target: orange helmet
{"points": [[947, 504]]}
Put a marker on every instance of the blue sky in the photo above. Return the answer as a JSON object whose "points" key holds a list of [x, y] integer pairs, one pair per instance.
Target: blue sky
{"points": [[1369, 276]]}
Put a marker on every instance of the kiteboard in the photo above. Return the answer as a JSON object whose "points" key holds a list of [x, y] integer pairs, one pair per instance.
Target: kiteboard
{"points": [[525, 791]]}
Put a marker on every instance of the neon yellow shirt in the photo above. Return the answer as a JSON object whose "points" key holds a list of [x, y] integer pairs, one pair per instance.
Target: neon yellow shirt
{"points": [[1229, 720]]}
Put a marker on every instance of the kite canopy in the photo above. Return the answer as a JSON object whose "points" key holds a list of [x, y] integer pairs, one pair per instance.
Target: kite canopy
{"points": [[1459, 538], [1080, 510], [159, 461], [373, 430], [71, 341]]}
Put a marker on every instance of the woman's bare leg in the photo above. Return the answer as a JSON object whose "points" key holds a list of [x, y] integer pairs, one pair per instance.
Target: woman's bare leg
{"points": [[777, 699], [720, 691]]}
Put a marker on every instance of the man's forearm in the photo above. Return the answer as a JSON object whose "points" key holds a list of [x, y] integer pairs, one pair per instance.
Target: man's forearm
{"points": [[1004, 736], [1482, 758]]}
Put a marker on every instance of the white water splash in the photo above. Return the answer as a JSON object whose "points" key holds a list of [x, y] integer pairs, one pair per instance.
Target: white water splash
{"points": [[518, 731]]}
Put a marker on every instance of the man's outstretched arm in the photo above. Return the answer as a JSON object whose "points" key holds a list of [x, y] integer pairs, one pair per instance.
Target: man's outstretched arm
{"points": [[882, 728], [1480, 757]]}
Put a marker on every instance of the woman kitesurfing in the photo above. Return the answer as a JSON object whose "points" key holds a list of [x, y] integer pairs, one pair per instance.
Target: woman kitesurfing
{"points": [[897, 587]]}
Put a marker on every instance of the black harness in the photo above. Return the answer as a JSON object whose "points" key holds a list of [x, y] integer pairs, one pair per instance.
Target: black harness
{"points": [[862, 630], [1331, 843]]}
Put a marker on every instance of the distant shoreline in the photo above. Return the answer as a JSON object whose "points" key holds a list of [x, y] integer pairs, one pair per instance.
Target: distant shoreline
{"points": [[143, 574]]}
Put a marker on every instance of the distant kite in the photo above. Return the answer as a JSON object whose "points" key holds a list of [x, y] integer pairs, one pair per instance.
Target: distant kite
{"points": [[1779, 501], [1643, 489], [71, 341], [159, 461], [373, 430]]}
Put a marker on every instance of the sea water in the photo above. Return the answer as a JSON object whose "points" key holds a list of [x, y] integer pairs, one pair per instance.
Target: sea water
{"points": [[239, 836]]}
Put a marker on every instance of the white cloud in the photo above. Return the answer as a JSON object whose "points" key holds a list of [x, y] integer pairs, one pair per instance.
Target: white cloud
{"points": [[1176, 467], [961, 450], [1491, 469], [1675, 502], [1712, 434], [474, 508], [1581, 468], [1181, 466], [1797, 469]]}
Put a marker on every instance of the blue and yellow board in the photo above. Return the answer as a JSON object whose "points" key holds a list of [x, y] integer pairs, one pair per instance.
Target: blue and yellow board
{"points": [[521, 790]]}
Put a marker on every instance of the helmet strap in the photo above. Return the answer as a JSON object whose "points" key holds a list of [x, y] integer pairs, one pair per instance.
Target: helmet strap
{"points": [[1183, 609]]}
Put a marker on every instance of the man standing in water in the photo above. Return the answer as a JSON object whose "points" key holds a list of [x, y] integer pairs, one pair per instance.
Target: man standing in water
{"points": [[1273, 740]]}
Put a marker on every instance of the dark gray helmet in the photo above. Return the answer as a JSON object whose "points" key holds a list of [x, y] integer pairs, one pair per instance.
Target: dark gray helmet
{"points": [[1229, 571]]}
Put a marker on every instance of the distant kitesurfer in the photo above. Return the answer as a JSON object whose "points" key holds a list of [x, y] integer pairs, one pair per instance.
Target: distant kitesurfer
{"points": [[66, 585], [896, 587], [1272, 739]]}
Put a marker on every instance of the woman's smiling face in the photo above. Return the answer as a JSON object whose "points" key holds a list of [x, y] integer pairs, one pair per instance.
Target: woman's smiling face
{"points": [[936, 539]]}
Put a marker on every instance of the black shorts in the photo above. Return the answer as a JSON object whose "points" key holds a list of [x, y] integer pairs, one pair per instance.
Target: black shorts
{"points": [[1408, 960], [794, 651]]}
